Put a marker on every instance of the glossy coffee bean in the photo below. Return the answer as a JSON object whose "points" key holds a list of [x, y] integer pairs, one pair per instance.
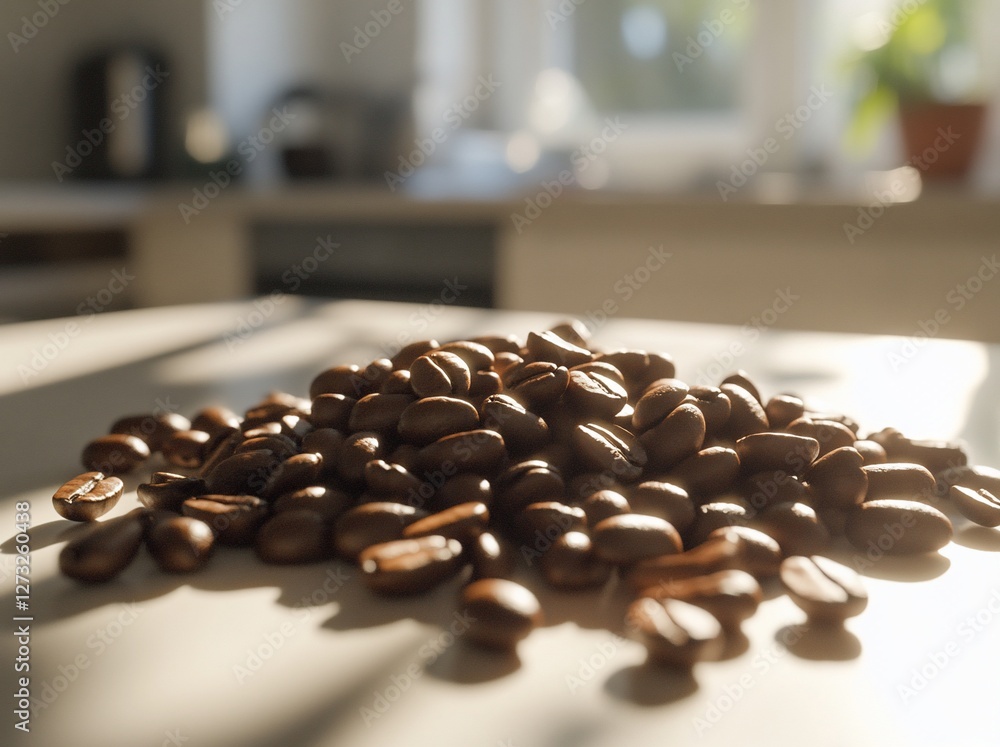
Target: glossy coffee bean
{"points": [[746, 414], [536, 383], [345, 379], [87, 497], [980, 506], [411, 351], [218, 450], [629, 538], [640, 368], [675, 633], [665, 500], [105, 549], [768, 488], [548, 346], [440, 374], [327, 442], [477, 356], [500, 612], [732, 596], [428, 419], [294, 536], [180, 544], [462, 522], [233, 518], [795, 527], [294, 473], [897, 527], [277, 443], [378, 412], [186, 449], [602, 504], [524, 432], [609, 449], [871, 452], [245, 473], [153, 428], [742, 378], [215, 421], [718, 553], [371, 524], [538, 524], [675, 438], [410, 566], [574, 331], [726, 511], [116, 454], [782, 409], [907, 481], [594, 396], [829, 434], [330, 503], [391, 481], [656, 402], [969, 476], [776, 451], [527, 482], [711, 471], [757, 553], [825, 590], [838, 479], [168, 491], [332, 411], [464, 487], [354, 453], [491, 556], [481, 451], [571, 563], [714, 405]]}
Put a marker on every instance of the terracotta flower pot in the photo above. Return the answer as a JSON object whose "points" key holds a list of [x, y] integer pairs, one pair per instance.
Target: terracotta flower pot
{"points": [[941, 140]]}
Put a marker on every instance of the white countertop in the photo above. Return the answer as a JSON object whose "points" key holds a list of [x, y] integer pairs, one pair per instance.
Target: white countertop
{"points": [[229, 656]]}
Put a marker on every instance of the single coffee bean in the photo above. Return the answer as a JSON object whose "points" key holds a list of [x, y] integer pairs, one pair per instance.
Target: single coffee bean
{"points": [[501, 612], [180, 544], [167, 491], [675, 633], [602, 504], [464, 487], [504, 361], [354, 453], [979, 506], [398, 382], [371, 524], [907, 481], [330, 503], [758, 554], [593, 396], [769, 488], [675, 438], [295, 536], [477, 357], [411, 351], [426, 420], [327, 442], [491, 556], [536, 383], [795, 527], [838, 479], [105, 549], [440, 374], [294, 473], [571, 563], [277, 443], [746, 414], [116, 454], [462, 522], [481, 451], [656, 402], [347, 380], [548, 346], [332, 411], [410, 566], [392, 482], [776, 451], [718, 553], [629, 538], [243, 474], [522, 431], [609, 449], [665, 500], [825, 590], [233, 518], [897, 527], [539, 523], [215, 421], [378, 412], [604, 369], [711, 471], [871, 452], [527, 482], [186, 449], [574, 331], [153, 428], [726, 511], [714, 405], [829, 434], [215, 452], [732, 596], [782, 409], [87, 496]]}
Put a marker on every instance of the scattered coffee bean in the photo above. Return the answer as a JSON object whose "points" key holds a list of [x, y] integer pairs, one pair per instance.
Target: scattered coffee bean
{"points": [[675, 633], [827, 591], [105, 549], [116, 454], [233, 518], [629, 538], [88, 496], [731, 596], [500, 612], [907, 481], [571, 563], [295, 536], [180, 544], [980, 506], [409, 566], [168, 491], [897, 527]]}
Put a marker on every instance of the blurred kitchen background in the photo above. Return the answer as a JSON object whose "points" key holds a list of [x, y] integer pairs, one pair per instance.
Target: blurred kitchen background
{"points": [[695, 160]]}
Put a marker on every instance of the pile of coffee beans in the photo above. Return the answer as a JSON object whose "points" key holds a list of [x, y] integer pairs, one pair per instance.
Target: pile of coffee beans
{"points": [[480, 457]]}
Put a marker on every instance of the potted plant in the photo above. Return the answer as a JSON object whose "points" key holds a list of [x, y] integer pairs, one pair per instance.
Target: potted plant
{"points": [[920, 64]]}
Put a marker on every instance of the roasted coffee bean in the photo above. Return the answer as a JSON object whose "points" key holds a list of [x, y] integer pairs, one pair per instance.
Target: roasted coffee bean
{"points": [[477, 356], [272, 428], [462, 522], [782, 409], [294, 473], [897, 527], [602, 504], [765, 489], [87, 496], [829, 434], [934, 455], [527, 482], [675, 633], [574, 331], [244, 473], [116, 454], [709, 472], [105, 548], [348, 380], [153, 428], [603, 369], [714, 405], [411, 351], [795, 527], [326, 442], [378, 412], [571, 563], [907, 481], [548, 346], [410, 566], [371, 524], [640, 368], [398, 382], [392, 481], [591, 395], [481, 451], [440, 374], [484, 384], [732, 596], [536, 383], [330, 503], [233, 518], [426, 420], [718, 553], [979, 506], [665, 500], [332, 411], [658, 401], [757, 553], [295, 536], [462, 488], [217, 451], [726, 511], [167, 491], [186, 449], [491, 556], [776, 451], [522, 431], [584, 484], [629, 538], [675, 438], [180, 544], [746, 414], [500, 343], [742, 378], [278, 443], [500, 612], [870, 451], [215, 421], [825, 590], [609, 449], [539, 523], [976, 477], [837, 479], [503, 362], [354, 453]]}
